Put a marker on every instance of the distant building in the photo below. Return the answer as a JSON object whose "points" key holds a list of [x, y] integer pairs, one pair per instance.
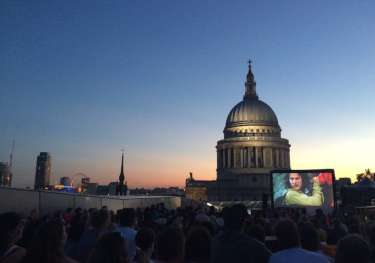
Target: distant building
{"points": [[66, 181], [340, 184], [112, 188], [360, 194], [170, 191], [91, 188], [139, 191], [343, 181], [102, 190], [84, 182], [5, 175], [196, 189], [43, 170]]}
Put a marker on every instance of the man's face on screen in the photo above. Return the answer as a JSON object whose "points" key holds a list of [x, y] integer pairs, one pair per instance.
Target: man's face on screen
{"points": [[295, 181]]}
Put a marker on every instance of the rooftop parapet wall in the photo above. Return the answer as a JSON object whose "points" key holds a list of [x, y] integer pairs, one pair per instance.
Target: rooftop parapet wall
{"points": [[23, 201]]}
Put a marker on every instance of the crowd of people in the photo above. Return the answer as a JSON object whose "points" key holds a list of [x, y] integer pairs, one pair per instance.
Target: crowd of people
{"points": [[184, 235]]}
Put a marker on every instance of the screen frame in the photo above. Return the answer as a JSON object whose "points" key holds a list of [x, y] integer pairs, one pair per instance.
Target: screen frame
{"points": [[332, 171]]}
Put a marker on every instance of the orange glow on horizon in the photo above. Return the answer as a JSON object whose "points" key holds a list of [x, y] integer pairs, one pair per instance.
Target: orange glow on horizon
{"points": [[346, 157]]}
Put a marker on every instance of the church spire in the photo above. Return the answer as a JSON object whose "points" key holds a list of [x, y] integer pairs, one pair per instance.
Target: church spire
{"points": [[122, 176], [122, 188], [250, 85]]}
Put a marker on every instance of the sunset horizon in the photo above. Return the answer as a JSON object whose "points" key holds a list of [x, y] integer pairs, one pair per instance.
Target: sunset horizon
{"points": [[83, 81]]}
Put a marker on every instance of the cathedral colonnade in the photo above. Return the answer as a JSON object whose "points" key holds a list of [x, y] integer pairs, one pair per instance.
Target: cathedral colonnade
{"points": [[253, 157]]}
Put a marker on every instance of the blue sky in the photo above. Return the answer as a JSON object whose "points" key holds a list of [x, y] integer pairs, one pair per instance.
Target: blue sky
{"points": [[83, 79]]}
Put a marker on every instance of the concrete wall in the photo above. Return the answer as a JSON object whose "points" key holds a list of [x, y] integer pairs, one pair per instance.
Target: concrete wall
{"points": [[23, 201]]}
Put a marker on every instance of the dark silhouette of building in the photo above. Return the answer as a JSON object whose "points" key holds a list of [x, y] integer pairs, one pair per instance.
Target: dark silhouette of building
{"points": [[91, 188], [122, 188], [84, 183], [360, 194], [5, 175], [43, 170], [112, 188]]}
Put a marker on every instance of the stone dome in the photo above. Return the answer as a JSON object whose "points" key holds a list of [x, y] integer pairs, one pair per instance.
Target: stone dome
{"points": [[251, 111]]}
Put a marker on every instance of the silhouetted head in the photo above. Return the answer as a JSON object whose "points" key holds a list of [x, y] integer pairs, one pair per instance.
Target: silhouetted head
{"points": [[287, 234], [11, 228], [109, 249], [198, 245], [309, 236], [48, 243], [100, 219], [234, 216], [353, 248], [171, 245], [127, 217], [145, 239]]}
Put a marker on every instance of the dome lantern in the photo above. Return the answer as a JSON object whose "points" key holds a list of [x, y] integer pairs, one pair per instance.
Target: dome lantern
{"points": [[250, 85]]}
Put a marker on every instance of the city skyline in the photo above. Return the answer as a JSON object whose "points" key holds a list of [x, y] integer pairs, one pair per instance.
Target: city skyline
{"points": [[82, 80]]}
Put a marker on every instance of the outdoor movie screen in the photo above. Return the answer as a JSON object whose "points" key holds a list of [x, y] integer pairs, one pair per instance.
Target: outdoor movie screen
{"points": [[303, 188]]}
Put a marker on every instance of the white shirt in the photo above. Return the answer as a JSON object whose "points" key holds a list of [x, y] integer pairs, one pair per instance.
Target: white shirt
{"points": [[129, 234]]}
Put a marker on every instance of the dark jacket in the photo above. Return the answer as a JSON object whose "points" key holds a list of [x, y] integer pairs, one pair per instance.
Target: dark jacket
{"points": [[234, 246]]}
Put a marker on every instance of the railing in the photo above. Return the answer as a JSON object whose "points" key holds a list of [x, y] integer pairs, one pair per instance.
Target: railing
{"points": [[23, 201]]}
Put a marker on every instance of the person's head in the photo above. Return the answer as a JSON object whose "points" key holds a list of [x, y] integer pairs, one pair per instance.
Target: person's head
{"points": [[48, 243], [170, 245], [234, 216], [287, 234], [145, 240], [353, 248], [77, 227], [109, 249], [11, 228], [198, 245], [100, 219], [309, 236], [338, 232], [128, 217], [295, 181]]}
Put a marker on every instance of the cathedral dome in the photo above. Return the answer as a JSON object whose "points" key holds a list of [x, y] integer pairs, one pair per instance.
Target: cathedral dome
{"points": [[251, 112]]}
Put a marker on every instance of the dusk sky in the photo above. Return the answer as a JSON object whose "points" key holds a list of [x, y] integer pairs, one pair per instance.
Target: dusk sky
{"points": [[83, 79]]}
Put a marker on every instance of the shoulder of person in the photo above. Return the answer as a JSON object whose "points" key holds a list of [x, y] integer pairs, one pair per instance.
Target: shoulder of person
{"points": [[321, 257], [15, 254], [69, 260]]}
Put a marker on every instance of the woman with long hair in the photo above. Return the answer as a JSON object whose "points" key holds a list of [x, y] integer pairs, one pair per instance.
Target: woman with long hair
{"points": [[297, 194]]}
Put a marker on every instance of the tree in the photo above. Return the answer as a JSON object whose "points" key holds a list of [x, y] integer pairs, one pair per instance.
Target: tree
{"points": [[366, 175]]}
